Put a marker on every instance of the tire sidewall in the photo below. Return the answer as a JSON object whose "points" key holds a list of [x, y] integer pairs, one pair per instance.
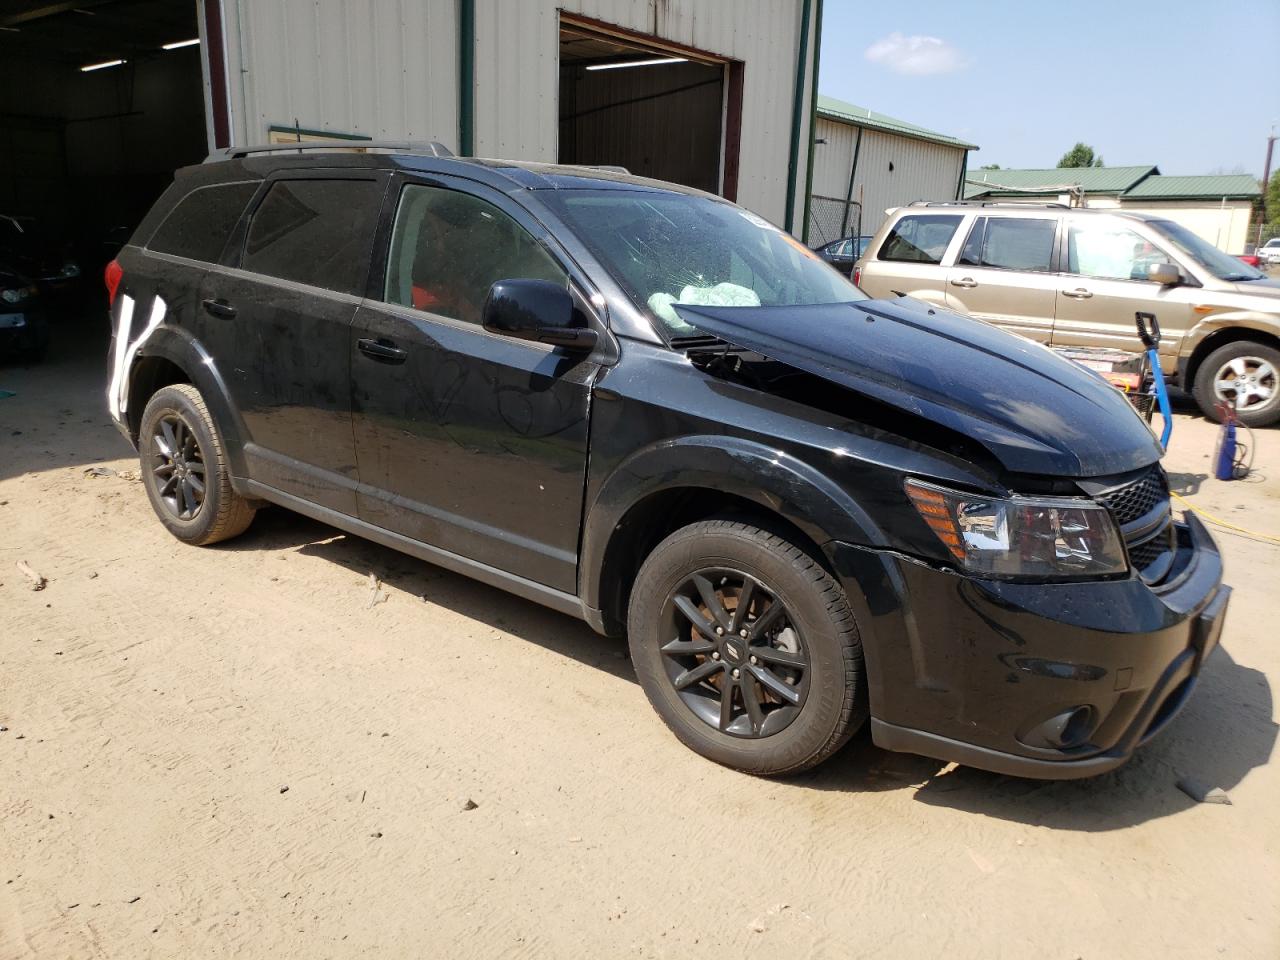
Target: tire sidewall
{"points": [[670, 564], [170, 400], [1206, 375]]}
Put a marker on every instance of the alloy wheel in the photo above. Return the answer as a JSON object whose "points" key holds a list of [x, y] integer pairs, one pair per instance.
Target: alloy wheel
{"points": [[178, 466], [1246, 382], [734, 654]]}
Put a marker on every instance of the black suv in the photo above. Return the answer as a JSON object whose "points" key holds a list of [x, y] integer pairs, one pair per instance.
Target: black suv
{"points": [[646, 407]]}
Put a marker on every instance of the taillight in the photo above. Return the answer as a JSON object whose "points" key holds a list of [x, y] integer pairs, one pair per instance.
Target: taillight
{"points": [[857, 275], [112, 277]]}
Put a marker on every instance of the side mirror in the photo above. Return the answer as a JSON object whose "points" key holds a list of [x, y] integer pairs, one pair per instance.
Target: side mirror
{"points": [[536, 310], [1165, 274]]}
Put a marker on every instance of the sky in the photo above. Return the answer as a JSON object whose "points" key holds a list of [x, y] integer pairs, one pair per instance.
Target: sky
{"points": [[1190, 87]]}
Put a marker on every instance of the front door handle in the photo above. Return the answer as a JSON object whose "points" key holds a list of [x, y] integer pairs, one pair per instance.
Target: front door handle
{"points": [[1079, 293], [384, 351], [219, 308], [964, 282]]}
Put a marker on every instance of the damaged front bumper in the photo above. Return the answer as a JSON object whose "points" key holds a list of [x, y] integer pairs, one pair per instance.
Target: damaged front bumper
{"points": [[1048, 680]]}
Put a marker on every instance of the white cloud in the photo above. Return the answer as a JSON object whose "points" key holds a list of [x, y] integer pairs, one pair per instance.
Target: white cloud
{"points": [[916, 55]]}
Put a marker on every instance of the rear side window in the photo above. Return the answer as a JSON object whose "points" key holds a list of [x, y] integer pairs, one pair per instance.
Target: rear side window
{"points": [[198, 227], [317, 232], [920, 238], [1008, 243]]}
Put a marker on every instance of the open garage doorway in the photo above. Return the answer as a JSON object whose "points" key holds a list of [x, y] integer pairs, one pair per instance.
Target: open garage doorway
{"points": [[666, 112], [100, 100]]}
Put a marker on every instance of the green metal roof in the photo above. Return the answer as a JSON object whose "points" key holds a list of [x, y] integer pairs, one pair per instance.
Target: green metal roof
{"points": [[1112, 180], [839, 110], [1235, 186]]}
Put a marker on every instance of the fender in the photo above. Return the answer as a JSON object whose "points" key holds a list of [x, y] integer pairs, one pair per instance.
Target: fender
{"points": [[1237, 319], [774, 479]]}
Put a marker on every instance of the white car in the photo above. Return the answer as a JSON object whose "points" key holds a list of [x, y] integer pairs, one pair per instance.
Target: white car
{"points": [[1269, 252]]}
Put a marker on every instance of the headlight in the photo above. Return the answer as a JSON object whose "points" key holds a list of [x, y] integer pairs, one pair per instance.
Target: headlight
{"points": [[15, 295], [1021, 536], [69, 270]]}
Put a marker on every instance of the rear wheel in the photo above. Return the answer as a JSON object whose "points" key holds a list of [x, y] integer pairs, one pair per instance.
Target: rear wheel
{"points": [[746, 648], [1246, 375], [184, 468]]}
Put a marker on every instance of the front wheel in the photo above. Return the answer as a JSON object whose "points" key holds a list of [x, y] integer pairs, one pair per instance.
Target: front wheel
{"points": [[746, 648], [1246, 375]]}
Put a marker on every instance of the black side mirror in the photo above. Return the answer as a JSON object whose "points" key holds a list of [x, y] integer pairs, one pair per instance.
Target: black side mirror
{"points": [[535, 310]]}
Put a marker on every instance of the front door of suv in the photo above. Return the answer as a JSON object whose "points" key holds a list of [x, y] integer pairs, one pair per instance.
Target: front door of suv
{"points": [[1004, 274], [1104, 282], [278, 324], [468, 441]]}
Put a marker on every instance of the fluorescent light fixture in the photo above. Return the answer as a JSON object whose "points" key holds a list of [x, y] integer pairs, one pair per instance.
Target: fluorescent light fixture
{"points": [[179, 44], [638, 63], [101, 66]]}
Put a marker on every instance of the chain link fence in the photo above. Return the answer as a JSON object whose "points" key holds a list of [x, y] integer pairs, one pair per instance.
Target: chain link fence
{"points": [[831, 218]]}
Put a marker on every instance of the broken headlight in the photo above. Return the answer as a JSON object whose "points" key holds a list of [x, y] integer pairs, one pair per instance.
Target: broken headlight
{"points": [[1021, 536]]}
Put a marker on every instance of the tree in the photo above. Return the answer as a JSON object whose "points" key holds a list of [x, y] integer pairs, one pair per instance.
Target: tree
{"points": [[1272, 193], [1081, 155], [990, 166]]}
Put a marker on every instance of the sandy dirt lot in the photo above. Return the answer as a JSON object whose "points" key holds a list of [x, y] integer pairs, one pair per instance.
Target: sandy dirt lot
{"points": [[158, 700]]}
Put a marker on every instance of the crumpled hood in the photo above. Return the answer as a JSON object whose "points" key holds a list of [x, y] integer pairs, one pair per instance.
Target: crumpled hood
{"points": [[1035, 411]]}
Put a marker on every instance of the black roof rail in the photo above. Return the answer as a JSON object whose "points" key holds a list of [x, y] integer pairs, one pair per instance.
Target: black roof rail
{"points": [[988, 203], [431, 149]]}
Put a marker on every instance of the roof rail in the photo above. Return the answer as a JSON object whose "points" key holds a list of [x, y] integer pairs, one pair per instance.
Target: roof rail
{"points": [[431, 149], [987, 203]]}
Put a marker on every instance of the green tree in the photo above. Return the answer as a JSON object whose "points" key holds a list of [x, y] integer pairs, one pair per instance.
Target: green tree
{"points": [[1081, 155], [1272, 193], [990, 166]]}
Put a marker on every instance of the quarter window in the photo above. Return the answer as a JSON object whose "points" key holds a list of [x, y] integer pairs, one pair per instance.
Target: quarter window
{"points": [[920, 238], [448, 248], [1010, 243], [1110, 251], [317, 232], [198, 227]]}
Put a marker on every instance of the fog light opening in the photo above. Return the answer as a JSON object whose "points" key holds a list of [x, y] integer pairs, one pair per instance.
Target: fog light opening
{"points": [[1069, 728]]}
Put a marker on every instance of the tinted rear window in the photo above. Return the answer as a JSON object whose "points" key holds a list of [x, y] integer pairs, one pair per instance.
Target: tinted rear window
{"points": [[317, 232], [198, 227], [1010, 243], [920, 238]]}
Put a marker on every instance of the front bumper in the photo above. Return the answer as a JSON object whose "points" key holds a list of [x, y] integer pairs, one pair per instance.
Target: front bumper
{"points": [[976, 671]]}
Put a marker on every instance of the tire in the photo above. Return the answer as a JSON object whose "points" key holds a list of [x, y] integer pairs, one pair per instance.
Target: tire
{"points": [[1228, 363], [817, 708], [176, 418]]}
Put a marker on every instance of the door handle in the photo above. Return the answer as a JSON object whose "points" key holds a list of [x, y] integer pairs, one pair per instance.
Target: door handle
{"points": [[219, 308], [1079, 293], [964, 282], [384, 351]]}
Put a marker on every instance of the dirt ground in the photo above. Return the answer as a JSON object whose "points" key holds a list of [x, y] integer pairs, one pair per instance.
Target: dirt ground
{"points": [[159, 699]]}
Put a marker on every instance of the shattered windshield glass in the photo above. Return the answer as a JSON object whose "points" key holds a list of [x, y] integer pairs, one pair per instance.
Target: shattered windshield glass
{"points": [[667, 248]]}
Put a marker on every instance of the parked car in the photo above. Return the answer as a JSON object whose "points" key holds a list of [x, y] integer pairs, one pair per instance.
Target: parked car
{"points": [[30, 249], [1249, 259], [1269, 252], [803, 509], [842, 254], [1075, 277], [24, 331]]}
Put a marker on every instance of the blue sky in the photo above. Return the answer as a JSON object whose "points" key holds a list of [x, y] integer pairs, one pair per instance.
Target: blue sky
{"points": [[1190, 87]]}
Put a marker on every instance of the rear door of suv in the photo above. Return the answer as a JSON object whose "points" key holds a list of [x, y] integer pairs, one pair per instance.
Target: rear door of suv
{"points": [[1004, 273], [909, 259], [278, 323]]}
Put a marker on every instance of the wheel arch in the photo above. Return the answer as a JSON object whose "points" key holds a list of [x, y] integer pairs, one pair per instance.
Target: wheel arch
{"points": [[1209, 338]]}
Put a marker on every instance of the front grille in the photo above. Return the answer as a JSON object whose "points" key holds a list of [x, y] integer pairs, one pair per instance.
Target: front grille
{"points": [[1141, 510], [1137, 498]]}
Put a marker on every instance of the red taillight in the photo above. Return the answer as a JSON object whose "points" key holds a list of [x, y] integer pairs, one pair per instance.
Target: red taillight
{"points": [[857, 275], [112, 277]]}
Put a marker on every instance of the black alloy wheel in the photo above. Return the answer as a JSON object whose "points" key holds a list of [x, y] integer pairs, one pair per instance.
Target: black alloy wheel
{"points": [[178, 465]]}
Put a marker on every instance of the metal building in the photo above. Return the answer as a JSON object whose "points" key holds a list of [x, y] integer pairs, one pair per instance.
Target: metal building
{"points": [[865, 163]]}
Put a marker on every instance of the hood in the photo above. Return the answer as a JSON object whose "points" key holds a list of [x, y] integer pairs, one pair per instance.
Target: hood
{"points": [[1036, 412], [1268, 288]]}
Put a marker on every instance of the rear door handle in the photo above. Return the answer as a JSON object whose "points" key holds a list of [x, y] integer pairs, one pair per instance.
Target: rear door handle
{"points": [[219, 308], [964, 282], [1079, 293], [384, 351]]}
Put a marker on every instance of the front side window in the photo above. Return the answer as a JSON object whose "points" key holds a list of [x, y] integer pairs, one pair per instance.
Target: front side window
{"points": [[1110, 251], [200, 223], [666, 249], [920, 238], [1221, 265], [448, 249], [317, 232], [1010, 243]]}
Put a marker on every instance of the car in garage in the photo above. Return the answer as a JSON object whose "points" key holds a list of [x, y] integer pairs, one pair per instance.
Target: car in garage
{"points": [[1075, 278], [648, 408], [24, 330]]}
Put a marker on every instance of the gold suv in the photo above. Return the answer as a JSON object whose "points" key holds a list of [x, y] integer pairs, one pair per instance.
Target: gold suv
{"points": [[1075, 277]]}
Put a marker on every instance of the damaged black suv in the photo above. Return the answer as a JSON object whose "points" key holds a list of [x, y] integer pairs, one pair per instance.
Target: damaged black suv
{"points": [[646, 407]]}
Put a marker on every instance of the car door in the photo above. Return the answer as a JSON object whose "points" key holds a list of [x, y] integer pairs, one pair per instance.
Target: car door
{"points": [[1104, 284], [1004, 274], [469, 441], [910, 258], [280, 313]]}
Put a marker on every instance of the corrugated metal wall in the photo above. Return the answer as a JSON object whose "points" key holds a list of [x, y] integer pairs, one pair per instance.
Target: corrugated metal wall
{"points": [[389, 68], [921, 170]]}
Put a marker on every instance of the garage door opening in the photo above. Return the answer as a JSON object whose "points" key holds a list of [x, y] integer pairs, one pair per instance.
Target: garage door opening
{"points": [[99, 102], [660, 112]]}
